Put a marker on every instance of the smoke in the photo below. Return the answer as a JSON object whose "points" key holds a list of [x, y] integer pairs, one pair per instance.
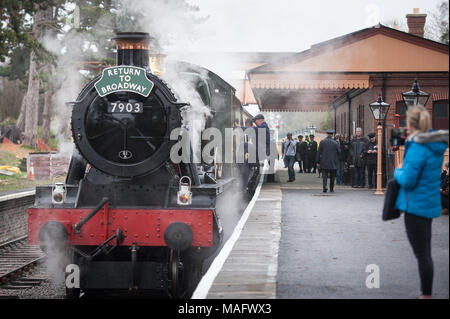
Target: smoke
{"points": [[175, 25], [70, 50], [195, 114], [57, 257]]}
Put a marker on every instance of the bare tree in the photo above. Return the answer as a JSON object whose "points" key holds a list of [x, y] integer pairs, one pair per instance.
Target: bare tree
{"points": [[42, 18], [46, 113], [31, 99]]}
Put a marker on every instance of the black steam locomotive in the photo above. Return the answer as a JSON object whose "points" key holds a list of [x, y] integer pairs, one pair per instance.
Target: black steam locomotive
{"points": [[127, 216]]}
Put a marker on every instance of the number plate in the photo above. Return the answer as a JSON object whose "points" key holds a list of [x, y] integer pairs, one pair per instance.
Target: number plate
{"points": [[125, 107]]}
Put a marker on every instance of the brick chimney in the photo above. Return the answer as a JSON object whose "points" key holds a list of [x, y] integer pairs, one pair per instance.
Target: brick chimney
{"points": [[416, 22]]}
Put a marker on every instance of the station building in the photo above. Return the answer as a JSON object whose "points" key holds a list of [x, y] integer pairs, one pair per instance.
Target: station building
{"points": [[345, 74]]}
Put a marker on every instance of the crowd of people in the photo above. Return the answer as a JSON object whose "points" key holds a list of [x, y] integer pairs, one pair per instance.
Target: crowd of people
{"points": [[357, 155]]}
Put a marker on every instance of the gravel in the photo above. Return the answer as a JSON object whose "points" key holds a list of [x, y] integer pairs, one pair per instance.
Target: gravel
{"points": [[47, 289]]}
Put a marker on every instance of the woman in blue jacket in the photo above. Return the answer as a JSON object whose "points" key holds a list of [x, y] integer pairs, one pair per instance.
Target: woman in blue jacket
{"points": [[419, 195]]}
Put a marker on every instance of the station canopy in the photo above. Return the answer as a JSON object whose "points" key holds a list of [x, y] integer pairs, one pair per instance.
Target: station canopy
{"points": [[311, 80]]}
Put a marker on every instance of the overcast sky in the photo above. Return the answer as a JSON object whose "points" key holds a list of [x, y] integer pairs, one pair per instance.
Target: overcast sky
{"points": [[292, 25]]}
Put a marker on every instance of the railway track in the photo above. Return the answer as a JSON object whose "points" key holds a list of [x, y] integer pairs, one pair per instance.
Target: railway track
{"points": [[17, 259]]}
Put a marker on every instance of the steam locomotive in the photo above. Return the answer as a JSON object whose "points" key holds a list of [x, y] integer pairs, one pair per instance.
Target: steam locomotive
{"points": [[127, 217]]}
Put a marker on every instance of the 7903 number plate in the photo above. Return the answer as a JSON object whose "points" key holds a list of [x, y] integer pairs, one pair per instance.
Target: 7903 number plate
{"points": [[125, 107]]}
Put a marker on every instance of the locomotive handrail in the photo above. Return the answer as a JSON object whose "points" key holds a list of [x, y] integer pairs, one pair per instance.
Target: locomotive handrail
{"points": [[96, 209]]}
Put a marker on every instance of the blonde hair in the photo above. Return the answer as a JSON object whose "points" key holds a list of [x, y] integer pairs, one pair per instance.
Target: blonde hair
{"points": [[419, 118]]}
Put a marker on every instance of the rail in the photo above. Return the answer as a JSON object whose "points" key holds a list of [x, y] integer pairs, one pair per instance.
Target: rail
{"points": [[16, 257]]}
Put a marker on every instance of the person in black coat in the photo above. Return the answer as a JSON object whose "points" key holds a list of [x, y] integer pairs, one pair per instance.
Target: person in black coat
{"points": [[357, 147], [312, 152], [327, 158], [370, 155], [298, 153], [261, 124], [303, 149]]}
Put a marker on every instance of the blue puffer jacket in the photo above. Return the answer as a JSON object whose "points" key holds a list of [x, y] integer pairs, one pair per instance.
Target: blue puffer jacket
{"points": [[421, 173]]}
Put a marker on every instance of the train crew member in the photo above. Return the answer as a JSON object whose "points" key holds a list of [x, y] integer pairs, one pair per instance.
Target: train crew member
{"points": [[247, 146], [370, 154], [298, 154], [357, 148], [312, 153], [260, 123], [289, 154], [327, 159]]}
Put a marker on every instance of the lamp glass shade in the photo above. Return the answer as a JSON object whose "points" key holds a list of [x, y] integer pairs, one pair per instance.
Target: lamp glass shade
{"points": [[410, 100], [376, 113], [379, 109], [415, 96]]}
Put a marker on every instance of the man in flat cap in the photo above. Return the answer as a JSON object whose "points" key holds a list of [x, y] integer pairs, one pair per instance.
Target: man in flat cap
{"points": [[327, 159], [261, 124], [370, 154]]}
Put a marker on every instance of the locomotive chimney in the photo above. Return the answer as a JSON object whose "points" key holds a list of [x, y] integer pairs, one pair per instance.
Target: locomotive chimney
{"points": [[416, 22], [133, 49]]}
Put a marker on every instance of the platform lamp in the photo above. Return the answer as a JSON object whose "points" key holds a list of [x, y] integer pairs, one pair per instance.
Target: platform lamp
{"points": [[379, 110], [415, 96]]}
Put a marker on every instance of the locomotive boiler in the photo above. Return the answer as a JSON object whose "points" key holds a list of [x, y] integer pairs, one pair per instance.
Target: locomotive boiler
{"points": [[128, 217]]}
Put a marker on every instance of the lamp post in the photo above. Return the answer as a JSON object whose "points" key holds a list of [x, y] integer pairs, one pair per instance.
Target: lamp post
{"points": [[379, 110], [415, 96]]}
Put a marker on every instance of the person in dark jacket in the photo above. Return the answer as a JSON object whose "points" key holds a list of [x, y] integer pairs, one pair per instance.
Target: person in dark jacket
{"points": [[357, 147], [298, 153], [370, 154], [303, 149], [246, 148], [261, 124], [341, 163], [312, 153], [327, 158], [418, 196]]}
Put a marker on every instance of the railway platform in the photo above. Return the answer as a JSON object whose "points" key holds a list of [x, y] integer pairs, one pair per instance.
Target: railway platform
{"points": [[299, 243], [250, 269]]}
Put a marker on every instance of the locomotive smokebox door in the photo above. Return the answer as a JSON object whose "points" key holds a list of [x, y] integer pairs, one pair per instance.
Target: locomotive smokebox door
{"points": [[184, 193]]}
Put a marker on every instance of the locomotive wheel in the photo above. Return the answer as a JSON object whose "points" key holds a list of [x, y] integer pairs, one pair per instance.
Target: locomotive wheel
{"points": [[175, 273]]}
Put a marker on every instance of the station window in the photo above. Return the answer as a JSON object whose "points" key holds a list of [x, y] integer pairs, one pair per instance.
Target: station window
{"points": [[440, 115]]}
